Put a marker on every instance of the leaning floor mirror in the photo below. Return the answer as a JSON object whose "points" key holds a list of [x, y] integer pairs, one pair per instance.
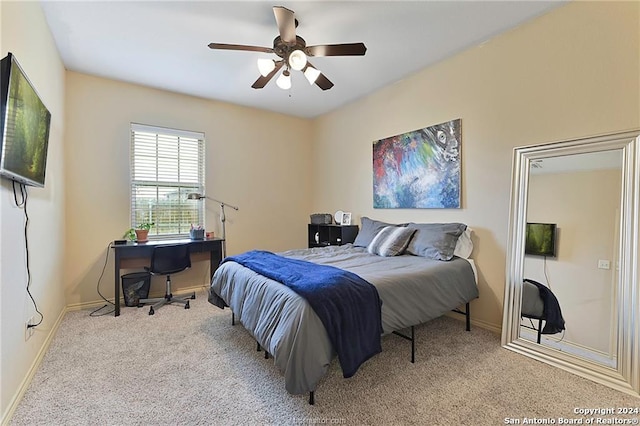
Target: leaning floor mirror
{"points": [[572, 297]]}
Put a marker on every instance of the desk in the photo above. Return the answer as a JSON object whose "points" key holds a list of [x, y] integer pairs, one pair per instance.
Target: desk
{"points": [[142, 251]]}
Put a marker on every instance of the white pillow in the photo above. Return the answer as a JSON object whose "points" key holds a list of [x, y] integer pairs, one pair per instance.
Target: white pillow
{"points": [[464, 245]]}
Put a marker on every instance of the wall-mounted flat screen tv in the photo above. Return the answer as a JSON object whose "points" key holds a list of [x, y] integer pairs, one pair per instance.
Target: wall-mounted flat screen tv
{"points": [[540, 239], [24, 126]]}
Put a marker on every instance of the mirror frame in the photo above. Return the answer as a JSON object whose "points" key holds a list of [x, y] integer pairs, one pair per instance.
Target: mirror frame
{"points": [[626, 375]]}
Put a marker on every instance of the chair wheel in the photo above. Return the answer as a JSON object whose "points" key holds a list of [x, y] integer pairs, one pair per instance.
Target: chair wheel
{"points": [[151, 311], [186, 306]]}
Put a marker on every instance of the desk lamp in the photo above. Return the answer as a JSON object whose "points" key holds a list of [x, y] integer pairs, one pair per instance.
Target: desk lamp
{"points": [[223, 219]]}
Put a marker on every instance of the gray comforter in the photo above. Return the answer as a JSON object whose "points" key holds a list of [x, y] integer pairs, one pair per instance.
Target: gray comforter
{"points": [[413, 290]]}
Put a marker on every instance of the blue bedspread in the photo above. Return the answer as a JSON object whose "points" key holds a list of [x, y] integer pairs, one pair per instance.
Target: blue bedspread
{"points": [[347, 305]]}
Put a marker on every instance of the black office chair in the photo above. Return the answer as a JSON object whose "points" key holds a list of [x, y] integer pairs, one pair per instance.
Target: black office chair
{"points": [[538, 302], [167, 260]]}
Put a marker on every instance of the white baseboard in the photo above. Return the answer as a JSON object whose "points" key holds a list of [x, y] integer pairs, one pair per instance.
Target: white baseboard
{"points": [[487, 326], [474, 322], [97, 303], [573, 348]]}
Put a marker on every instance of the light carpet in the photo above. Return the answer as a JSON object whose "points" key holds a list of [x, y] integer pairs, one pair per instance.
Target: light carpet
{"points": [[192, 367]]}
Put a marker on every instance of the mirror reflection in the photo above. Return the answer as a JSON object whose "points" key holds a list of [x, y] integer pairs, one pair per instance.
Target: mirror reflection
{"points": [[571, 253], [579, 200]]}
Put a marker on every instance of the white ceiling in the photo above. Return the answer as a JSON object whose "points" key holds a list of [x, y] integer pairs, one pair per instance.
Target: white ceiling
{"points": [[163, 44]]}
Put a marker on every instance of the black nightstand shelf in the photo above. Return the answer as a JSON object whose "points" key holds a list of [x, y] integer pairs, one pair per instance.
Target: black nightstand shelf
{"points": [[331, 235]]}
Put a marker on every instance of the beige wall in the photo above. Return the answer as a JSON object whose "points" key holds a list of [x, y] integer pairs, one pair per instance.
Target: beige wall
{"points": [[570, 73], [585, 205], [256, 160], [24, 33]]}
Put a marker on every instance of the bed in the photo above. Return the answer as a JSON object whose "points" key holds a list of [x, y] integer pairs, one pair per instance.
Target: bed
{"points": [[413, 288]]}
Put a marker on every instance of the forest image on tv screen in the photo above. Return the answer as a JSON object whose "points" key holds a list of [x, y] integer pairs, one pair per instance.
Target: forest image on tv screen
{"points": [[540, 239], [26, 130]]}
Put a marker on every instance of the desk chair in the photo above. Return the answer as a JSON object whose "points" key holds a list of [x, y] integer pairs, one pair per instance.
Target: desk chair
{"points": [[538, 302], [167, 260], [532, 306]]}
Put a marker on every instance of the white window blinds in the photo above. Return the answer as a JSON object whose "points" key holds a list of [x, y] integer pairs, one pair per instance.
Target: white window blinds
{"points": [[166, 165]]}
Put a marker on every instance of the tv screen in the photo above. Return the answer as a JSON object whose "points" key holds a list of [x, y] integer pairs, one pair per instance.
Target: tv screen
{"points": [[540, 239], [24, 126]]}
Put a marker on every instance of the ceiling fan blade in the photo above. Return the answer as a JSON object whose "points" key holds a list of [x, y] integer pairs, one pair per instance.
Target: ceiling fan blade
{"points": [[224, 46], [286, 22], [323, 82], [262, 81], [346, 49]]}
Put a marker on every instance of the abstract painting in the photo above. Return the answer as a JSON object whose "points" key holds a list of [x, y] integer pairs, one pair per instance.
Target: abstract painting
{"points": [[418, 169]]}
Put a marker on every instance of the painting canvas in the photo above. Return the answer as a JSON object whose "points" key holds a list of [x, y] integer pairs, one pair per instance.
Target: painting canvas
{"points": [[418, 169]]}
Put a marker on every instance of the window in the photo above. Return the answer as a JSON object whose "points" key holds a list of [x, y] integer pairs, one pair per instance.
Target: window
{"points": [[166, 165]]}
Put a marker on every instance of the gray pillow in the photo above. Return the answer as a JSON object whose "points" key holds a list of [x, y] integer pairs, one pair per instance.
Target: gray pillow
{"points": [[390, 241], [435, 240], [369, 228]]}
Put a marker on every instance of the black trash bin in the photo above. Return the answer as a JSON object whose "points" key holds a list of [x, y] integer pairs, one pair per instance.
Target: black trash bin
{"points": [[135, 286]]}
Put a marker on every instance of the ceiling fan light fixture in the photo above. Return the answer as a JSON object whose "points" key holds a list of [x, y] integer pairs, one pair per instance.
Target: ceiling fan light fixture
{"points": [[311, 74], [284, 81], [265, 66], [297, 60], [291, 50]]}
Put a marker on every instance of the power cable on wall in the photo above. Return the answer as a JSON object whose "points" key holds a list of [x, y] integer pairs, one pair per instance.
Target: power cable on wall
{"points": [[544, 270], [95, 312], [22, 203]]}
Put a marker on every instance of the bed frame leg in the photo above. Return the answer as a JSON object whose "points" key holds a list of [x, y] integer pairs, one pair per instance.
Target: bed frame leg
{"points": [[468, 315], [413, 345], [233, 318], [258, 349], [311, 398], [539, 330], [412, 339]]}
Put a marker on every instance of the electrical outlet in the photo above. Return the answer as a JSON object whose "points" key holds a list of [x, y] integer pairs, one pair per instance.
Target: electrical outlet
{"points": [[29, 330], [604, 264]]}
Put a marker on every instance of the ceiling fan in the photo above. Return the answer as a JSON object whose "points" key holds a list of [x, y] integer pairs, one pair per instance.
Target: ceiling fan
{"points": [[293, 52]]}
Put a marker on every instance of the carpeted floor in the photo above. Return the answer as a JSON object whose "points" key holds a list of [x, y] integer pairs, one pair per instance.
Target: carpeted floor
{"points": [[191, 367]]}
